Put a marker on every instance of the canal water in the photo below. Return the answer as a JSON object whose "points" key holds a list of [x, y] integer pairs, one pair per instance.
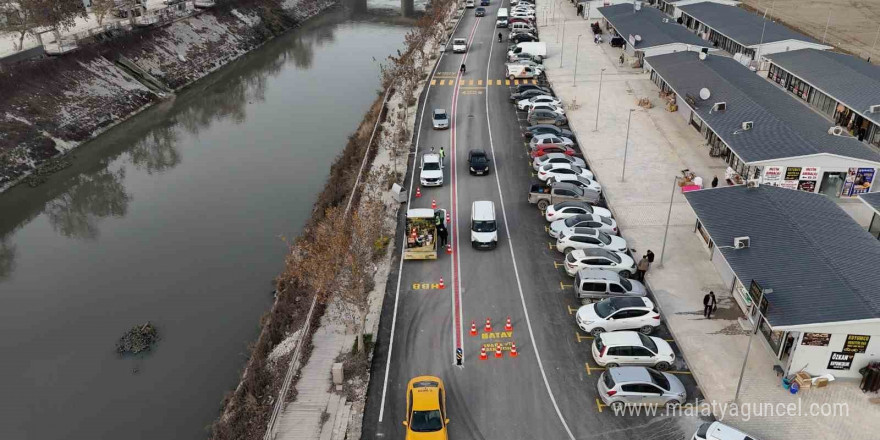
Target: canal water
{"points": [[175, 217]]}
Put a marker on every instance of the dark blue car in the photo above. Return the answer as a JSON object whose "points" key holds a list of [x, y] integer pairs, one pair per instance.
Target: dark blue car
{"points": [[480, 12], [484, 2]]}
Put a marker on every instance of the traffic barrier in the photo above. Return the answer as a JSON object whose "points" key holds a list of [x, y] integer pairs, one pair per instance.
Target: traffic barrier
{"points": [[473, 328], [449, 248], [488, 327], [418, 191], [442, 285], [513, 352], [447, 217], [498, 352], [508, 327], [483, 355]]}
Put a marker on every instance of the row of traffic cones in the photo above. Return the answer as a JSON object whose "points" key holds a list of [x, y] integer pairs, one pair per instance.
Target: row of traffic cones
{"points": [[498, 352], [508, 326]]}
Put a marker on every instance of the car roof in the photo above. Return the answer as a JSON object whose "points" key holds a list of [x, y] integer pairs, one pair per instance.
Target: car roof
{"points": [[439, 111], [483, 210], [570, 203], [545, 135], [720, 431], [549, 156], [477, 151], [566, 185], [460, 40], [621, 338], [598, 274], [537, 126], [629, 301], [431, 157], [630, 374], [580, 230], [594, 252]]}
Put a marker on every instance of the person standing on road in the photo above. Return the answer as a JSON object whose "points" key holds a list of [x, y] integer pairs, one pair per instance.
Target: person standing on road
{"points": [[642, 267], [650, 256], [715, 182], [709, 304], [443, 235], [442, 154]]}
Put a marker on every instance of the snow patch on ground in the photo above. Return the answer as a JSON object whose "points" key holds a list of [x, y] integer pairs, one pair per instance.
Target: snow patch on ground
{"points": [[285, 347]]}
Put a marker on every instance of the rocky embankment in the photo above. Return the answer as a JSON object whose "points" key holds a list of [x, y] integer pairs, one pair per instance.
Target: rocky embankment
{"points": [[50, 106]]}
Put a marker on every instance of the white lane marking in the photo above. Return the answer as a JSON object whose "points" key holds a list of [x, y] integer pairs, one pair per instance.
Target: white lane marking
{"points": [[403, 248], [513, 257]]}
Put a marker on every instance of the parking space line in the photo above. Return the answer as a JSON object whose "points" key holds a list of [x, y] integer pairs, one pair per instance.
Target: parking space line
{"points": [[600, 405], [551, 245], [556, 264], [579, 337], [547, 229], [433, 82], [591, 369], [506, 82], [563, 286], [570, 310]]}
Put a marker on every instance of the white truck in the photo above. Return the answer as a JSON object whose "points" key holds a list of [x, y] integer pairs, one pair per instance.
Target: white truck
{"points": [[535, 49], [522, 71]]}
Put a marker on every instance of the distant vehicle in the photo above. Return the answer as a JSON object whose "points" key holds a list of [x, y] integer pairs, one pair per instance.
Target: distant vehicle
{"points": [[421, 227], [518, 71], [480, 12], [440, 120], [547, 129], [526, 94], [577, 180], [484, 2], [623, 386], [541, 150], [501, 21], [431, 170], [526, 104], [590, 284], [544, 196], [564, 210], [546, 117], [540, 161], [583, 237], [719, 431], [478, 162], [570, 226], [459, 45], [619, 313], [632, 348], [469, 3], [549, 138], [426, 416], [522, 38], [555, 170], [598, 259]]}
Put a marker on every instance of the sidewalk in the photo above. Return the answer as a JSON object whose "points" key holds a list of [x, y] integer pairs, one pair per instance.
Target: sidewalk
{"points": [[661, 144]]}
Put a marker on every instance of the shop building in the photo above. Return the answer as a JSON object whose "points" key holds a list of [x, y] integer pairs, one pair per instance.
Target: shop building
{"points": [[809, 265], [745, 35], [671, 7], [844, 88], [873, 201], [646, 31], [762, 132]]}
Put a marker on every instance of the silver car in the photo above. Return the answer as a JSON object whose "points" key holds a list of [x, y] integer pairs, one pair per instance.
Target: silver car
{"points": [[546, 117], [622, 386], [548, 138], [440, 120]]}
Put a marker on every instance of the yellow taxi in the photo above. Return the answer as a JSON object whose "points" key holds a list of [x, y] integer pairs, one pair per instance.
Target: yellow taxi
{"points": [[426, 409]]}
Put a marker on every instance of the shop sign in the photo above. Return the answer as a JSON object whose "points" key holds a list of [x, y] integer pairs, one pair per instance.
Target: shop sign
{"points": [[807, 185], [789, 184], [858, 181], [856, 343], [816, 339], [840, 361], [793, 173], [810, 173], [772, 175]]}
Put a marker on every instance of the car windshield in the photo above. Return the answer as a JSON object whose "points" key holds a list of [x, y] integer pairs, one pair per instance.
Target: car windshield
{"points": [[440, 116], [648, 342], [604, 308], [431, 166], [571, 221], [613, 257], [478, 159], [626, 284], [484, 226], [659, 379], [605, 220], [604, 238], [458, 41], [426, 421]]}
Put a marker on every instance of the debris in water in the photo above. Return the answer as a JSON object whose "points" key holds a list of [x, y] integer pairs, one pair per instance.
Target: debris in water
{"points": [[137, 339]]}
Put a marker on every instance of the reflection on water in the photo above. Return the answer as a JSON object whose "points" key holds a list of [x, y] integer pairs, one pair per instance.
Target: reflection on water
{"points": [[173, 217]]}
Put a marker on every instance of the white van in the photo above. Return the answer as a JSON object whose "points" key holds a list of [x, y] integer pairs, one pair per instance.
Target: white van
{"points": [[501, 21], [520, 26], [522, 71], [719, 431], [484, 228], [536, 49]]}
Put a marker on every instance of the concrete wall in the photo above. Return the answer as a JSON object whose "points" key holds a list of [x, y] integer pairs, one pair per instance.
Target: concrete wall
{"points": [[672, 48], [816, 358], [787, 45]]}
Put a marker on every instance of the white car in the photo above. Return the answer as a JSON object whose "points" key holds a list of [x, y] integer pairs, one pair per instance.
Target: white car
{"points": [[431, 170], [526, 104], [552, 170], [618, 313], [564, 210], [617, 349], [546, 106], [540, 161], [469, 3], [591, 221], [606, 259], [580, 181], [459, 45], [570, 239], [549, 139], [523, 14]]}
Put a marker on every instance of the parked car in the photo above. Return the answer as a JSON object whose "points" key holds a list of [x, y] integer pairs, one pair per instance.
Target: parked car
{"points": [[546, 117], [590, 284], [622, 313], [599, 259], [544, 196], [623, 386], [526, 57], [564, 210], [547, 129], [541, 150], [547, 107], [440, 119], [478, 162], [588, 221], [512, 20], [459, 45], [484, 2], [519, 71], [584, 238], [431, 173], [540, 161], [526, 94], [523, 38], [480, 12], [550, 139], [719, 431], [529, 63], [526, 104], [616, 349], [426, 416], [523, 87], [553, 170], [581, 181]]}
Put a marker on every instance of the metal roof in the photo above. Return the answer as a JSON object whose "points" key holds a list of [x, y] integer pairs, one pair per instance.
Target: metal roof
{"points": [[648, 24], [872, 200], [848, 79], [820, 263], [740, 25], [783, 125]]}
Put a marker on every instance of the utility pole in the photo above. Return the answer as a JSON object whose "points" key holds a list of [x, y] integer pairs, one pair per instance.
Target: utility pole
{"points": [[827, 23], [626, 146], [668, 216], [577, 50], [598, 99], [754, 331], [562, 47]]}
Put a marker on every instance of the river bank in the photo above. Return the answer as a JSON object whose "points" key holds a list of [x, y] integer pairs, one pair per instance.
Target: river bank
{"points": [[52, 106]]}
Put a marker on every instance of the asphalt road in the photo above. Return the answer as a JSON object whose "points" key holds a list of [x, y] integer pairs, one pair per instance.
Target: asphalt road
{"points": [[549, 390]]}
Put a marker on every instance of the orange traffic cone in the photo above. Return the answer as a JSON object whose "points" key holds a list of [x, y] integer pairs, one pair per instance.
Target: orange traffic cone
{"points": [[418, 191], [508, 327], [498, 352], [433, 204], [473, 328], [448, 248], [442, 286], [513, 352], [488, 327], [447, 217], [483, 355]]}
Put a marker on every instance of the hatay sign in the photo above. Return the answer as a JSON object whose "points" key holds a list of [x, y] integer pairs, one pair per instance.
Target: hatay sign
{"points": [[802, 178]]}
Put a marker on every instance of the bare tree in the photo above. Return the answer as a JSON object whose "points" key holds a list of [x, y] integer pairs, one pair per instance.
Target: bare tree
{"points": [[101, 8], [315, 259], [20, 19]]}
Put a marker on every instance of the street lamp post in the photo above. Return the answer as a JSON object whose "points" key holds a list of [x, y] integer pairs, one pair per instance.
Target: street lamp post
{"points": [[626, 146], [754, 331], [598, 99], [562, 46], [668, 216], [577, 49]]}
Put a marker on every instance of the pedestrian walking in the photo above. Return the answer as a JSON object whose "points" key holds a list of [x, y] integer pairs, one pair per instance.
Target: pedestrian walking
{"points": [[442, 154], [620, 60], [650, 256], [709, 304], [443, 234], [715, 182], [643, 267]]}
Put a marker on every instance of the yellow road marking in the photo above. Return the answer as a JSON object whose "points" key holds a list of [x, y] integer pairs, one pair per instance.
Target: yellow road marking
{"points": [[479, 82], [547, 229], [506, 82], [590, 369], [470, 82], [516, 82], [600, 405], [497, 82], [433, 82], [579, 337], [570, 309], [556, 264], [562, 285], [461, 82], [551, 245], [442, 82]]}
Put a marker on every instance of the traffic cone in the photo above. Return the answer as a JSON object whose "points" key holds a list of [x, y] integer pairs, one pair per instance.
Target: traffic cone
{"points": [[498, 352], [483, 355], [508, 327], [448, 248], [442, 286], [433, 204], [473, 328], [447, 217], [418, 191], [513, 352], [488, 327]]}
